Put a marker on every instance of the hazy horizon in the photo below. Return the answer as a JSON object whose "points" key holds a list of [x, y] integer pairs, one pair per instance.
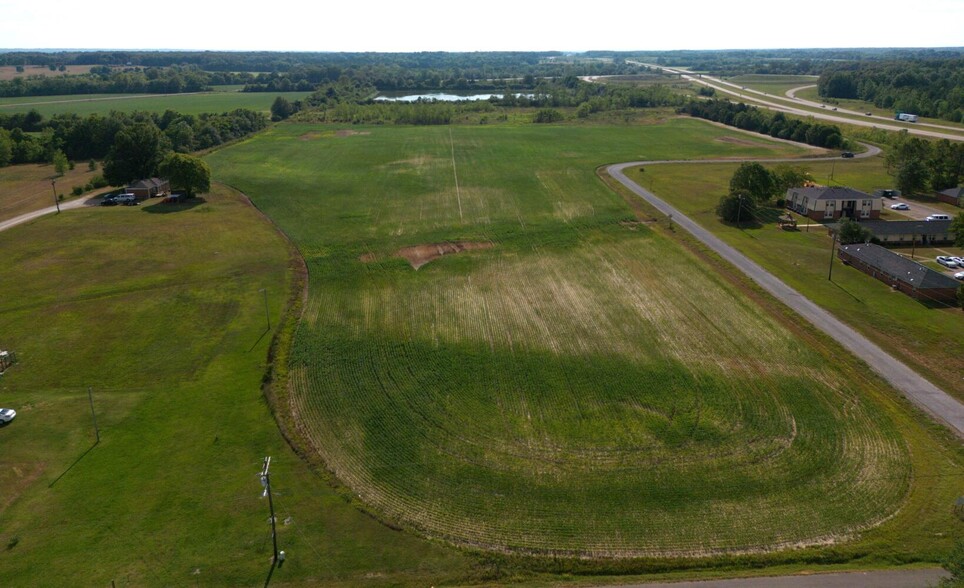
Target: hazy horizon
{"points": [[499, 25]]}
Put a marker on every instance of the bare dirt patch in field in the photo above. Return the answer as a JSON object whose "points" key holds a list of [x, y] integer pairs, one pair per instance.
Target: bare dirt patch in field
{"points": [[350, 133], [17, 478], [367, 257], [419, 255]]}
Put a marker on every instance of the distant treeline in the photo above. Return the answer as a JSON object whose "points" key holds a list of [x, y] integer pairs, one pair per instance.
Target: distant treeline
{"points": [[774, 124], [783, 61], [27, 138], [352, 101], [928, 87]]}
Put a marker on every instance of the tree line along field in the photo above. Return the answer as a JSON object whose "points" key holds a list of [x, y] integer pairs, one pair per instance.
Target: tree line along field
{"points": [[577, 384], [199, 103]]}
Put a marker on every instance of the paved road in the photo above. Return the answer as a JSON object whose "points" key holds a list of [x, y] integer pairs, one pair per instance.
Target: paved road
{"points": [[876, 579], [927, 396], [751, 96], [23, 218]]}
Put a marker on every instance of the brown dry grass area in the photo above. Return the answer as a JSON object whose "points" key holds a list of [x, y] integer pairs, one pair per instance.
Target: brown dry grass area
{"points": [[16, 479], [419, 255], [9, 72], [312, 135], [26, 188]]}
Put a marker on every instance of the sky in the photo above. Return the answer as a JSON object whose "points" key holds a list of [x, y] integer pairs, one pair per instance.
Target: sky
{"points": [[492, 25]]}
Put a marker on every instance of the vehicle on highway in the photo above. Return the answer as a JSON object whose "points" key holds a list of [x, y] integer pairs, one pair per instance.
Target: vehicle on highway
{"points": [[900, 206], [946, 261], [7, 414], [847, 154], [936, 217]]}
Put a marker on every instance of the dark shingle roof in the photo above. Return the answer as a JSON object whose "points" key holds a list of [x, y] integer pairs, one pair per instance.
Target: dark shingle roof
{"points": [[833, 193], [907, 227], [953, 192], [148, 183], [898, 267]]}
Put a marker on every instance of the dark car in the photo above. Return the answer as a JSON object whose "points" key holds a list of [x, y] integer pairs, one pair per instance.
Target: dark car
{"points": [[109, 200], [847, 154]]}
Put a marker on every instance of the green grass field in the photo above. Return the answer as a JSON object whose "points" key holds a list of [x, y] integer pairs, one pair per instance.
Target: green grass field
{"points": [[158, 309], [582, 386], [26, 188], [776, 85], [929, 339], [217, 101]]}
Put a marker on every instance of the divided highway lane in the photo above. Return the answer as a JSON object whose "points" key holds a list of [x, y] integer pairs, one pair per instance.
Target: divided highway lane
{"points": [[746, 95], [940, 405]]}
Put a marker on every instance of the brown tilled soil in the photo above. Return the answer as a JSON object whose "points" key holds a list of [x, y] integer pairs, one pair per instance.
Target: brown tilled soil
{"points": [[419, 255]]}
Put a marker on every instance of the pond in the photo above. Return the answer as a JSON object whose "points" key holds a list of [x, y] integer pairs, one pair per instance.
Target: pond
{"points": [[440, 96]]}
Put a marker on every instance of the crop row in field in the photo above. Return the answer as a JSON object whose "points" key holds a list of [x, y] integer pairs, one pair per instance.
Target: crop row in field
{"points": [[605, 400]]}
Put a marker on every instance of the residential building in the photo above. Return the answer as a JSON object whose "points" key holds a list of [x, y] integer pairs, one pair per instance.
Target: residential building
{"points": [[825, 203], [911, 278]]}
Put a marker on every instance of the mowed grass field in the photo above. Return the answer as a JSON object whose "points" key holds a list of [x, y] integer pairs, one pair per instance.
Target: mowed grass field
{"points": [[26, 188], [578, 384], [931, 340], [158, 309], [776, 85], [86, 104]]}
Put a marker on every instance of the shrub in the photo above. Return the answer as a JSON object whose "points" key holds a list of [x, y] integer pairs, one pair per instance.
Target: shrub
{"points": [[77, 190]]}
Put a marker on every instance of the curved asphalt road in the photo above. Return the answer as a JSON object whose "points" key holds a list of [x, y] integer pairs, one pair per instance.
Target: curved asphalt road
{"points": [[927, 396]]}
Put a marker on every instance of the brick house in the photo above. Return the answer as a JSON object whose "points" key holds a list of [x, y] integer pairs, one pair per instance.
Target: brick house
{"points": [[906, 232], [825, 203], [953, 196], [149, 188], [911, 278]]}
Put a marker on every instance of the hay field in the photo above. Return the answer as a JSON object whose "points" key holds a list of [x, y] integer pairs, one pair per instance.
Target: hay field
{"points": [[580, 386]]}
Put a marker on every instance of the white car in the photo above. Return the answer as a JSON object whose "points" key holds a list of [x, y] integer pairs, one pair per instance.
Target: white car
{"points": [[900, 206], [7, 414], [946, 261], [959, 276]]}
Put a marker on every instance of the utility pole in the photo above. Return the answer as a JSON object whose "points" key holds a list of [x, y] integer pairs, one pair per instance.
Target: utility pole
{"points": [[93, 415], [739, 208], [267, 316], [832, 245], [53, 184], [266, 482]]}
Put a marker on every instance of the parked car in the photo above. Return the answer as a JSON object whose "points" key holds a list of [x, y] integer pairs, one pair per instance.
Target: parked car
{"points": [[109, 200], [900, 206], [126, 199], [847, 154], [958, 260], [868, 114], [946, 261], [7, 414], [937, 217], [959, 276], [172, 199]]}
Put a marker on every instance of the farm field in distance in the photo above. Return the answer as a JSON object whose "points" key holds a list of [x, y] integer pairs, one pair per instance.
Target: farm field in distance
{"points": [[573, 381], [85, 104]]}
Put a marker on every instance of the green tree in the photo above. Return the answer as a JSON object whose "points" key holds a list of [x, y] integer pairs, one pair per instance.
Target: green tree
{"points": [[6, 147], [789, 176], [281, 109], [912, 176], [187, 173], [137, 151], [850, 231], [737, 207], [957, 227], [91, 165], [755, 180], [547, 115], [60, 162]]}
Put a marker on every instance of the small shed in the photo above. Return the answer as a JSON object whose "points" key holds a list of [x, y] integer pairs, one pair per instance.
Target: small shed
{"points": [[149, 188], [953, 196]]}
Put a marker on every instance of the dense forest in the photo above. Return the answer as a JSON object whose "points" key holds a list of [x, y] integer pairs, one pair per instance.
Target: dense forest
{"points": [[774, 124], [27, 138], [928, 87]]}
